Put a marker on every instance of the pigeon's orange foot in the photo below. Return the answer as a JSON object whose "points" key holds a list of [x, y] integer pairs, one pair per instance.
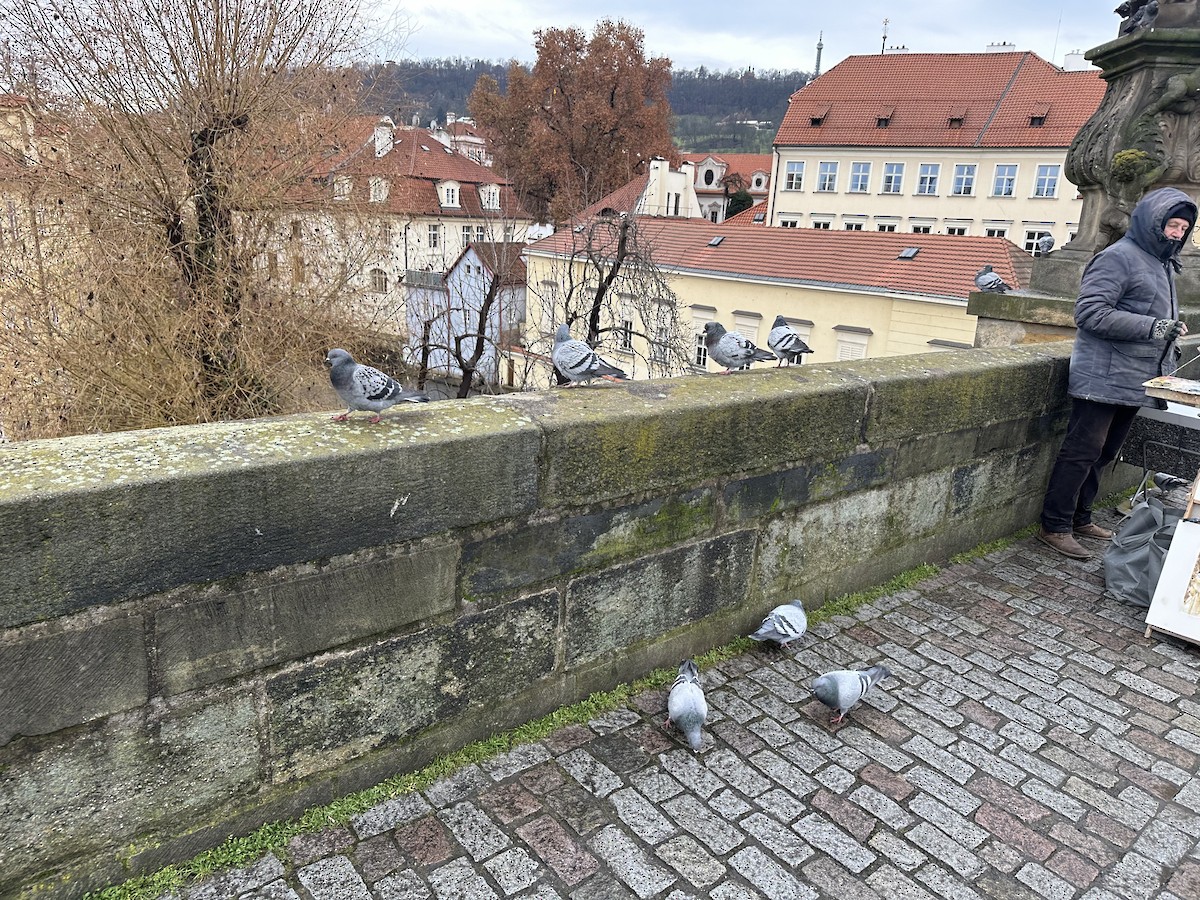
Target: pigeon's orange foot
{"points": [[374, 420], [342, 418]]}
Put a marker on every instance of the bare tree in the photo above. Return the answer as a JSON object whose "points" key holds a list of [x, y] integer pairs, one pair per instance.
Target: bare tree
{"points": [[192, 129], [605, 282]]}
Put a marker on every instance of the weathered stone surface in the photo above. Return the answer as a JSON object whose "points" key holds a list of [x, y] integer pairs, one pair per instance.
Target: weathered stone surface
{"points": [[129, 778], [219, 634], [336, 708], [608, 611], [58, 680], [549, 549], [99, 518]]}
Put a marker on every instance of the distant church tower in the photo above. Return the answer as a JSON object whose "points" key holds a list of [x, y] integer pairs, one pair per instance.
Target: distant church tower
{"points": [[820, 47]]}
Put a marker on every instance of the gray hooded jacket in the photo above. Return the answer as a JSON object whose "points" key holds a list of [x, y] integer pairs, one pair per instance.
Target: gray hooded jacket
{"points": [[1124, 289]]}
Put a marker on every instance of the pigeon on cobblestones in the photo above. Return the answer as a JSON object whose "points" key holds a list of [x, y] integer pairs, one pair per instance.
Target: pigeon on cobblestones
{"points": [[686, 706], [577, 361], [785, 343], [989, 281], [730, 349], [842, 689], [365, 387], [783, 624]]}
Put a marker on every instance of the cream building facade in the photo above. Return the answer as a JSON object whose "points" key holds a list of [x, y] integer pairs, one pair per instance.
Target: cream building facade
{"points": [[956, 144]]}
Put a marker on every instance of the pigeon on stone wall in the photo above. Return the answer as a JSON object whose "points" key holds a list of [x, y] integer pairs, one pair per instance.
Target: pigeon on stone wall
{"points": [[1044, 244], [577, 362], [987, 280], [686, 706], [1142, 18], [730, 349], [366, 388], [785, 343], [842, 689], [783, 624]]}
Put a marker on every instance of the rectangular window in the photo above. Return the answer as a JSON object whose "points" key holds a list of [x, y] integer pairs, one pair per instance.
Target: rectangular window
{"points": [[701, 351], [827, 176], [658, 347], [893, 178], [1031, 239], [480, 233], [466, 234], [822, 226], [956, 229], [625, 335], [1046, 184], [451, 196], [789, 223], [922, 229], [509, 233], [886, 226], [927, 178], [795, 177], [854, 226], [1005, 184], [435, 236], [378, 189], [964, 180], [860, 177], [996, 232]]}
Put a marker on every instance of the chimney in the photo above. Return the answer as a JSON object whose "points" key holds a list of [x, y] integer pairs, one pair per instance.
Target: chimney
{"points": [[1001, 47], [1075, 61], [451, 118], [385, 133]]}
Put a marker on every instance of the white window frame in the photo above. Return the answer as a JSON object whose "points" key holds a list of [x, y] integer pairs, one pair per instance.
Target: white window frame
{"points": [[964, 180], [378, 280], [342, 187], [1010, 180], [378, 189], [893, 178], [794, 175], [489, 196], [1045, 184], [434, 236], [1032, 237], [449, 195], [827, 176], [851, 345], [928, 175], [789, 223], [860, 177], [822, 224], [853, 226], [997, 231]]}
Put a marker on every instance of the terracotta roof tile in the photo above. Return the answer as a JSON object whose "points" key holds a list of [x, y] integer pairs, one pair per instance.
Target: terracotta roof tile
{"points": [[944, 266], [990, 95]]}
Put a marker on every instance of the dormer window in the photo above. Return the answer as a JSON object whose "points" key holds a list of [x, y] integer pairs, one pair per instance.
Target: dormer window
{"points": [[817, 119], [448, 192], [956, 118], [341, 187], [1037, 121], [378, 189], [883, 118], [489, 196], [1037, 115]]}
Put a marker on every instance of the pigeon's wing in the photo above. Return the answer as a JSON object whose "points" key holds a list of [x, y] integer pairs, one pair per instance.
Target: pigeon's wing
{"points": [[574, 358], [687, 707], [734, 347], [375, 386], [840, 690], [783, 624], [785, 343]]}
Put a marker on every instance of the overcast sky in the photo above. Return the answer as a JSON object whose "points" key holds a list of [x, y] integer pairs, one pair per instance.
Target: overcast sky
{"points": [[765, 34]]}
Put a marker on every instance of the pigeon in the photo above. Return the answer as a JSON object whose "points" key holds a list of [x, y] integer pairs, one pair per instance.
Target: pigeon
{"points": [[785, 343], [577, 361], [1045, 244], [686, 706], [842, 689], [989, 281], [783, 624], [366, 388], [1142, 18], [730, 349]]}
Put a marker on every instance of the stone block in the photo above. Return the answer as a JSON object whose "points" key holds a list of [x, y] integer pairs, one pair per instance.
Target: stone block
{"points": [[72, 676], [124, 781], [218, 633], [335, 708], [549, 548], [99, 518], [751, 498], [608, 611], [678, 431]]}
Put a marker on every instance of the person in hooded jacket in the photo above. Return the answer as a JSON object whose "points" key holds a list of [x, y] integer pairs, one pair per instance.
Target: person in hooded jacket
{"points": [[1127, 318]]}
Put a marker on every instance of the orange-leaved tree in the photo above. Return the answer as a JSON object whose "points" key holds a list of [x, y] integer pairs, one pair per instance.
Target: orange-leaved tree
{"points": [[583, 122]]}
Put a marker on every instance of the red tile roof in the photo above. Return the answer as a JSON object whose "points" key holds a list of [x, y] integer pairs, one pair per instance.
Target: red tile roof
{"points": [[413, 167], [944, 266], [623, 199], [991, 95]]}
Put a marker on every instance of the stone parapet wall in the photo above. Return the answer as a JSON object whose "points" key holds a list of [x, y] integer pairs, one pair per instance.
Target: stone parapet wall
{"points": [[206, 628]]}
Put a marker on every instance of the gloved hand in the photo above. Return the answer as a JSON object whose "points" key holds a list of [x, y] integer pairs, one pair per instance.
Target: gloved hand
{"points": [[1167, 330]]}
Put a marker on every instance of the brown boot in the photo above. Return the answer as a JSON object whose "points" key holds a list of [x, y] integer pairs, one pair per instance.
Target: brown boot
{"points": [[1064, 543], [1091, 530]]}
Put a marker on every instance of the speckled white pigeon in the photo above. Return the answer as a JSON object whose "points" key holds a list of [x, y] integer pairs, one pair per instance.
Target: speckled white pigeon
{"points": [[577, 361], [365, 387], [783, 624], [785, 343], [730, 349], [842, 689], [686, 706]]}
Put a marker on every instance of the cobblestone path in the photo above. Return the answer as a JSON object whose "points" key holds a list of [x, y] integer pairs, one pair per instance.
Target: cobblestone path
{"points": [[1030, 744]]}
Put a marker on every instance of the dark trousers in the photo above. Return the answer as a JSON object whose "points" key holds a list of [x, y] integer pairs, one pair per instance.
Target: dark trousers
{"points": [[1095, 434]]}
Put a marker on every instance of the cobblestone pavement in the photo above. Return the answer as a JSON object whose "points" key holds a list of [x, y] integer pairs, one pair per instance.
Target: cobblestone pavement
{"points": [[1030, 744]]}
